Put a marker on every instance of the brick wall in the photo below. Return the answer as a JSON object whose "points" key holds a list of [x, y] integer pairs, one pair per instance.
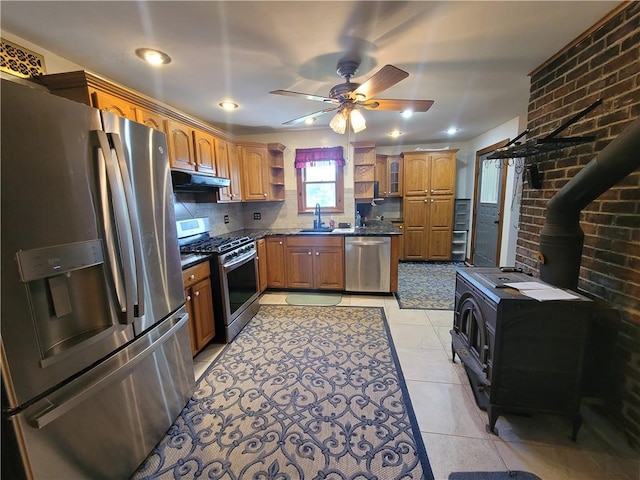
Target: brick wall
{"points": [[601, 64]]}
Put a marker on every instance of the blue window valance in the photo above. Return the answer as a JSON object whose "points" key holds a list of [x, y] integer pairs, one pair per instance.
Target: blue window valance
{"points": [[307, 157]]}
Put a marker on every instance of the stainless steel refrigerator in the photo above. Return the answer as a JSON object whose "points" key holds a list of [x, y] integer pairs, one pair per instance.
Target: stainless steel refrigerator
{"points": [[96, 359]]}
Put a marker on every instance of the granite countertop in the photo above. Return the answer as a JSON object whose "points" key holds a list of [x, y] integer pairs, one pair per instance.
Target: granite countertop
{"points": [[375, 229]]}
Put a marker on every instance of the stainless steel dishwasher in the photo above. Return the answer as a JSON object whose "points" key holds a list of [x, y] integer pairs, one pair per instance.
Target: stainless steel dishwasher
{"points": [[367, 264]]}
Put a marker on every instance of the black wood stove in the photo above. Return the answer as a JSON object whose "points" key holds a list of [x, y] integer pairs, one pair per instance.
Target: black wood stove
{"points": [[520, 354]]}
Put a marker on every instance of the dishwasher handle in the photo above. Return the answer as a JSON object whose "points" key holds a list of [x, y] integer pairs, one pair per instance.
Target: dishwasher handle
{"points": [[366, 243]]}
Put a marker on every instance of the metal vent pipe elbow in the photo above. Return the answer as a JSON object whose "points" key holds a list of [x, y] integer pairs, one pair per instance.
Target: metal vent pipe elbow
{"points": [[561, 238]]}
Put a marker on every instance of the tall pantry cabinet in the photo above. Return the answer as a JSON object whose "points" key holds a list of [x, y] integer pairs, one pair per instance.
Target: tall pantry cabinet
{"points": [[429, 190]]}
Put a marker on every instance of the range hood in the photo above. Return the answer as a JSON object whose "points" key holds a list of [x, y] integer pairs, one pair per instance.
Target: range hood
{"points": [[193, 182]]}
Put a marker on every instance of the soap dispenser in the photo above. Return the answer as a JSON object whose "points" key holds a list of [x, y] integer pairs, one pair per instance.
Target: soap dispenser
{"points": [[358, 219]]}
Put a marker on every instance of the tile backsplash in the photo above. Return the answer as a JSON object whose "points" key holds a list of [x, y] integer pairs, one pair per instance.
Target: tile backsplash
{"points": [[272, 215]]}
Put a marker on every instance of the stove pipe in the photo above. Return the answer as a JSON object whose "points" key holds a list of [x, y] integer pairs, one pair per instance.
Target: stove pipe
{"points": [[561, 238]]}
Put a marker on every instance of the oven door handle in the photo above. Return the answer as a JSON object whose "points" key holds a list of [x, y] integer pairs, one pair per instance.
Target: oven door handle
{"points": [[238, 261]]}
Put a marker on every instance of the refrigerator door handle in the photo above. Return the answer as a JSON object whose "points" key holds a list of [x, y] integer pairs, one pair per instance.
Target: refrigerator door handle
{"points": [[120, 238], [117, 368], [133, 222]]}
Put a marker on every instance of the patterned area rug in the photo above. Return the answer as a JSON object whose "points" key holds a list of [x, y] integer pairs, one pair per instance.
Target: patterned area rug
{"points": [[427, 285], [301, 393]]}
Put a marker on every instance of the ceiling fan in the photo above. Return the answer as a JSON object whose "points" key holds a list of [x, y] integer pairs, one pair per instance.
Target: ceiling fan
{"points": [[347, 97]]}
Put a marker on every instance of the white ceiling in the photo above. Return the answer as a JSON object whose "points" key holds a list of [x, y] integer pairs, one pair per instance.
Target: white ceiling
{"points": [[471, 58]]}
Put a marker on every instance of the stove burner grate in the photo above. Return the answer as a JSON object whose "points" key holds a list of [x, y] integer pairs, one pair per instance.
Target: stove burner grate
{"points": [[214, 245]]}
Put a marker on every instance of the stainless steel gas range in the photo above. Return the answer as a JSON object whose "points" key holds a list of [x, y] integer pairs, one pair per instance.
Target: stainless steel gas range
{"points": [[234, 268]]}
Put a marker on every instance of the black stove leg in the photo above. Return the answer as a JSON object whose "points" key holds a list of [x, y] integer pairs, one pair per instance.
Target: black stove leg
{"points": [[494, 412], [576, 423]]}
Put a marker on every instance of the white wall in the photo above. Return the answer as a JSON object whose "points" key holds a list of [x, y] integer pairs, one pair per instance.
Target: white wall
{"points": [[513, 190]]}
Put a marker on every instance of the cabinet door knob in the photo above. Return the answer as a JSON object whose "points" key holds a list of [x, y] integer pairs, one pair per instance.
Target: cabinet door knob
{"points": [[426, 200], [191, 277], [197, 294], [279, 243], [264, 194], [188, 298], [309, 253], [317, 253]]}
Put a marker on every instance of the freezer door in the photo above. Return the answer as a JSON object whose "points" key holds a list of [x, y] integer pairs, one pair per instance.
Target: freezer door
{"points": [[105, 422], [141, 154], [60, 312]]}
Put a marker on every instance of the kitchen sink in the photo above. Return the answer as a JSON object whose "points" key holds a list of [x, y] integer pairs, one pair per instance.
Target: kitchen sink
{"points": [[317, 230]]}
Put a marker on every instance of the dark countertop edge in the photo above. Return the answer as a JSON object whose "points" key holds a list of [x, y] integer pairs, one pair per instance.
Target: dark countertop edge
{"points": [[256, 234], [195, 260]]}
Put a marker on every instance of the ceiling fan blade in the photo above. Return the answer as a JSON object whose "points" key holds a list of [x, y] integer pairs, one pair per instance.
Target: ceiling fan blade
{"points": [[397, 105], [308, 96], [310, 115], [384, 78]]}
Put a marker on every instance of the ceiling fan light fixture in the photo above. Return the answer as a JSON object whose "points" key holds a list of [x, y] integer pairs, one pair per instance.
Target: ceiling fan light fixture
{"points": [[310, 121], [358, 122], [395, 133], [407, 113], [339, 123], [154, 57]]}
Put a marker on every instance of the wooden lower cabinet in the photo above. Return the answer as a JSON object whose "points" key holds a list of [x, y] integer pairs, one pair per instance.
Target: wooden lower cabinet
{"points": [[313, 262], [276, 270], [197, 289], [261, 246], [427, 227]]}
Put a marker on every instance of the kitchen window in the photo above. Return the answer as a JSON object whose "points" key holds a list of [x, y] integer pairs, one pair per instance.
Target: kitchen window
{"points": [[320, 179]]}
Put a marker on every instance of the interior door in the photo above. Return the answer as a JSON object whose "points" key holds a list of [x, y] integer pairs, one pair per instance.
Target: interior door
{"points": [[489, 200]]}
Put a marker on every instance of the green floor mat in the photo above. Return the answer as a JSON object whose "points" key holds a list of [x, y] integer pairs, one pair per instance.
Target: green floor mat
{"points": [[315, 299]]}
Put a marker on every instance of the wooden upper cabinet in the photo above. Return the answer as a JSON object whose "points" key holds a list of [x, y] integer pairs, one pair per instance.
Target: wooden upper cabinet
{"points": [[234, 166], [228, 167], [388, 174], [180, 141], [224, 170], [111, 103], [416, 174], [150, 119], [381, 175], [254, 168], [443, 173], [394, 176], [205, 150]]}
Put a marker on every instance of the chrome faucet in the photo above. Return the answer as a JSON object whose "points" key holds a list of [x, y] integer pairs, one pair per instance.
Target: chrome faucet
{"points": [[318, 222]]}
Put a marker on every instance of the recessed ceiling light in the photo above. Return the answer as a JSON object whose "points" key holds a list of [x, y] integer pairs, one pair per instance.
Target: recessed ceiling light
{"points": [[452, 130], [407, 113], [395, 133], [226, 105], [154, 57]]}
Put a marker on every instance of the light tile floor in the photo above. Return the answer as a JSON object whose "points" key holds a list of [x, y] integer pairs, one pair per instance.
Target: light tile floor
{"points": [[453, 427]]}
